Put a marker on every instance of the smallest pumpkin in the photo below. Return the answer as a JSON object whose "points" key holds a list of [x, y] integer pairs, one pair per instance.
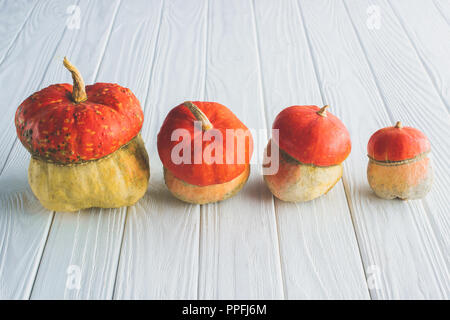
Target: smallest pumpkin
{"points": [[399, 166]]}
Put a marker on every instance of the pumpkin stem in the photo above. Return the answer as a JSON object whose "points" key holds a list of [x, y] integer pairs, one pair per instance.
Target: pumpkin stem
{"points": [[199, 115], [323, 111], [398, 125], [78, 91]]}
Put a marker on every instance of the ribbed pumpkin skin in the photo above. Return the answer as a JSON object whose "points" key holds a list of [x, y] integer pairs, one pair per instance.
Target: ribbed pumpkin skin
{"points": [[207, 181], [50, 125], [203, 174], [297, 182], [311, 138], [399, 166], [85, 144], [117, 180], [397, 144]]}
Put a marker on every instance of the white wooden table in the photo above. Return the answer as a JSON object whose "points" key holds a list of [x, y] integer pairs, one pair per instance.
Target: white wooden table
{"points": [[373, 61]]}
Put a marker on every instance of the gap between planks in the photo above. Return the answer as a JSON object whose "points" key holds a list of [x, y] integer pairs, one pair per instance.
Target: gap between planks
{"points": [[18, 33], [40, 81], [16, 138], [203, 95], [144, 104], [265, 114], [440, 10], [381, 95], [375, 78], [419, 57], [344, 182], [95, 78], [267, 124]]}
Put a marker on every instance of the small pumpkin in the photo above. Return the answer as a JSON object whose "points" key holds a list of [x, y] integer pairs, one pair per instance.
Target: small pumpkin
{"points": [[85, 145], [399, 166], [213, 170], [312, 144]]}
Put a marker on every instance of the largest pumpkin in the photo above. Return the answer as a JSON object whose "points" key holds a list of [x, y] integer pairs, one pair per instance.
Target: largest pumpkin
{"points": [[85, 145]]}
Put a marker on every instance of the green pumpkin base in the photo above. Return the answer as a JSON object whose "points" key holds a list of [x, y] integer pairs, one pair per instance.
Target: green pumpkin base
{"points": [[117, 180]]}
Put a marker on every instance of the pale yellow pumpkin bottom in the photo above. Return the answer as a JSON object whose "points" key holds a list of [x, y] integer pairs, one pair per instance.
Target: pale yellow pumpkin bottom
{"points": [[297, 182], [118, 180], [206, 194], [411, 180]]}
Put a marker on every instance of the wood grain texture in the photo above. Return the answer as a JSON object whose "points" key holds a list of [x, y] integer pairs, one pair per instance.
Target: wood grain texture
{"points": [[256, 57], [443, 7], [429, 34], [13, 15], [24, 222], [431, 42], [24, 227], [159, 257], [413, 94], [319, 252], [90, 239], [239, 256], [24, 67], [84, 244], [401, 255]]}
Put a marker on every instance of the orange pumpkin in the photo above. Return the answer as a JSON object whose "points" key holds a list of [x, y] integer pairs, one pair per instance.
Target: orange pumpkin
{"points": [[399, 166], [85, 145], [312, 146], [68, 124], [215, 154]]}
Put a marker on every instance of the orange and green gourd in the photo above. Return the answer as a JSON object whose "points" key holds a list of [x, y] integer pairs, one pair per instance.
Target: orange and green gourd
{"points": [[207, 180], [85, 145], [399, 164], [312, 144]]}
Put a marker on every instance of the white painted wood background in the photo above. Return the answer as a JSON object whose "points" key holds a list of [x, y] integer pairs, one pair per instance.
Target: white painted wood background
{"points": [[257, 57]]}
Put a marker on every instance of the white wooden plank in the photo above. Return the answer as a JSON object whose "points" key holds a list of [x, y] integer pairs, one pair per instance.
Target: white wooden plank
{"points": [[414, 95], [81, 255], [404, 250], [239, 256], [443, 7], [24, 222], [13, 15], [88, 241], [429, 34], [436, 36], [22, 70], [319, 251], [159, 257], [401, 254], [23, 230]]}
